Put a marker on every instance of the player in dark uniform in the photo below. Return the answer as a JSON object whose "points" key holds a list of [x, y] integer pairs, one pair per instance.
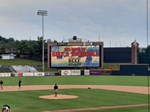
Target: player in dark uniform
{"points": [[6, 108], [1, 84], [55, 90], [19, 83]]}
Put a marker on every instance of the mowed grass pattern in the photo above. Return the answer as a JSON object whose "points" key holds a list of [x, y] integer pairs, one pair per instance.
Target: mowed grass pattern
{"points": [[131, 109], [28, 101], [79, 80]]}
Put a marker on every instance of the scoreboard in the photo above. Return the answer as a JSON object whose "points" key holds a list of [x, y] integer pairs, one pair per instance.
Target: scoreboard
{"points": [[75, 55]]}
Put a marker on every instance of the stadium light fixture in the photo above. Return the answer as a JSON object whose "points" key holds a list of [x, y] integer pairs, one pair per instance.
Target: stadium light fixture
{"points": [[42, 13], [147, 35]]}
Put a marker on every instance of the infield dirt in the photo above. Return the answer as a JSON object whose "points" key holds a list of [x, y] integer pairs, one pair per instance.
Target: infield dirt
{"points": [[132, 89]]}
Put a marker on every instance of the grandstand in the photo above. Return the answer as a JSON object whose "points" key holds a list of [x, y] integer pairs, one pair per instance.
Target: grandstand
{"points": [[24, 69], [6, 69]]}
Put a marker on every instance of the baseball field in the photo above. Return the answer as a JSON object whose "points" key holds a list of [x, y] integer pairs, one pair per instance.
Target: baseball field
{"points": [[92, 94]]}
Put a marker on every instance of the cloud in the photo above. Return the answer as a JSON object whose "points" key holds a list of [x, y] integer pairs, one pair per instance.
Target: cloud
{"points": [[116, 20]]}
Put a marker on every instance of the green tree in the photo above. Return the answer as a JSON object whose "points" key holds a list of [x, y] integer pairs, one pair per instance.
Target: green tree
{"points": [[24, 47]]}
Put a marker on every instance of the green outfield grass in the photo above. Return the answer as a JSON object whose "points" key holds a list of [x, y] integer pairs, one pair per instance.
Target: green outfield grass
{"points": [[131, 109], [94, 80], [28, 101]]}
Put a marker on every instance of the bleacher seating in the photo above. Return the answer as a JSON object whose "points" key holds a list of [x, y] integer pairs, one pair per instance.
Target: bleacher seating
{"points": [[5, 69], [24, 69]]}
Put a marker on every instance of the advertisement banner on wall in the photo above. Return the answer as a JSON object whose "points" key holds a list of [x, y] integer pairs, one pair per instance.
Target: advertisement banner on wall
{"points": [[38, 74], [20, 74], [49, 74], [14, 74], [75, 72], [27, 74], [86, 72], [94, 72], [65, 72], [5, 74]]}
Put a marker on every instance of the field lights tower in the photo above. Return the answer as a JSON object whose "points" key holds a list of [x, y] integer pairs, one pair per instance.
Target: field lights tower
{"points": [[42, 13]]}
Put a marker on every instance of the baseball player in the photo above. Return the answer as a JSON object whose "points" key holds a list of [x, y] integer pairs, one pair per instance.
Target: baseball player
{"points": [[1, 84], [55, 90], [19, 83]]}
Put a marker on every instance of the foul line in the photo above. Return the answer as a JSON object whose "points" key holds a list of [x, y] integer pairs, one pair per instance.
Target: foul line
{"points": [[99, 108]]}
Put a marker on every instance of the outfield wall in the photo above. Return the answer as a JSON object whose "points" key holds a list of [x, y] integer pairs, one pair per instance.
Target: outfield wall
{"points": [[125, 70], [132, 69]]}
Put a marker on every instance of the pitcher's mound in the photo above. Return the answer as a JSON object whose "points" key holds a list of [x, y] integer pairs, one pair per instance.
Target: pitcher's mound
{"points": [[59, 96]]}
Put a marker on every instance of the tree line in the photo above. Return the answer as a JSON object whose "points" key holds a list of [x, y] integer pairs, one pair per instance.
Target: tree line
{"points": [[31, 49]]}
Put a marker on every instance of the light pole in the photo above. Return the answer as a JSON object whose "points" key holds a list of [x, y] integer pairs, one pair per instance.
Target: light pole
{"points": [[42, 13], [147, 35]]}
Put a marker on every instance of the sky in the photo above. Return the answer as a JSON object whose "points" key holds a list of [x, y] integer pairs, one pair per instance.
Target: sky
{"points": [[115, 22]]}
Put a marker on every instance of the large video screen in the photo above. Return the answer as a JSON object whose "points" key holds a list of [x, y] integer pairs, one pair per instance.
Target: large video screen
{"points": [[75, 56]]}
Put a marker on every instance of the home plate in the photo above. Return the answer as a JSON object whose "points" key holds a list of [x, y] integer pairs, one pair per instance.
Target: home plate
{"points": [[59, 96]]}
